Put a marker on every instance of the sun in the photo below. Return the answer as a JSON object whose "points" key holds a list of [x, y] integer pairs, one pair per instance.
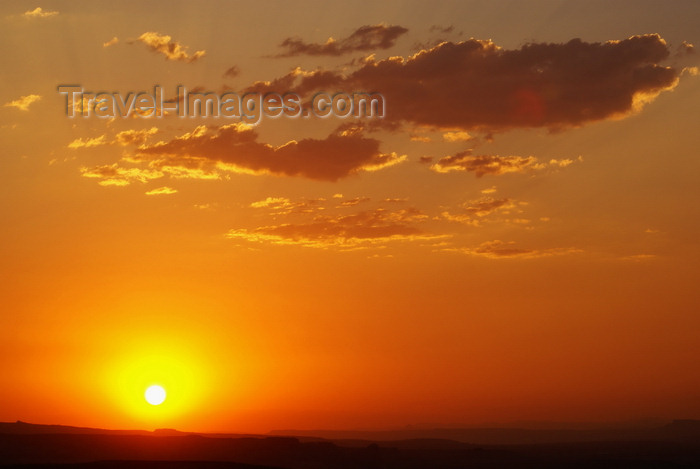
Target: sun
{"points": [[155, 395]]}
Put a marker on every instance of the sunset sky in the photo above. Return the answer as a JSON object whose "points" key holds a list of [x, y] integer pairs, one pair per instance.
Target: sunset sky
{"points": [[516, 240]]}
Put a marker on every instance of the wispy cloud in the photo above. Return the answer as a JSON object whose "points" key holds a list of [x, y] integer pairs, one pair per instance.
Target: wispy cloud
{"points": [[487, 209], [115, 175], [135, 137], [111, 42], [498, 249], [24, 102], [285, 206], [172, 50], [162, 191], [38, 12], [88, 142], [365, 38], [481, 165], [459, 136], [361, 229]]}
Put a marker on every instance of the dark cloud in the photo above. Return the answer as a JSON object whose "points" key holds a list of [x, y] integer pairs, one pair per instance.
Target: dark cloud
{"points": [[441, 29], [444, 31], [477, 85], [236, 148], [365, 38], [232, 72]]}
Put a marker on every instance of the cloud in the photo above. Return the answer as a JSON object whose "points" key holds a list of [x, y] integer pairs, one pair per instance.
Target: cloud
{"points": [[235, 148], [640, 257], [362, 229], [273, 202], [419, 138], [285, 206], [441, 29], [111, 42], [477, 85], [88, 142], [135, 137], [498, 249], [232, 72], [162, 191], [172, 50], [483, 164], [354, 201], [459, 136], [23, 103], [126, 137], [686, 48], [493, 164], [323, 223], [114, 175], [486, 205], [474, 212], [365, 38], [39, 13]]}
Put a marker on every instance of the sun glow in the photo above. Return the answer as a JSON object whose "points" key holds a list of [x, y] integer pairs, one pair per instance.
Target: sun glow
{"points": [[157, 384]]}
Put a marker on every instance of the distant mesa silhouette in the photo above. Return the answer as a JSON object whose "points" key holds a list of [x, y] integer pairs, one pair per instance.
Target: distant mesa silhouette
{"points": [[32, 446]]}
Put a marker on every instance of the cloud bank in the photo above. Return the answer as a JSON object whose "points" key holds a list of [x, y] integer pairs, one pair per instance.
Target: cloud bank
{"points": [[236, 148], [476, 84]]}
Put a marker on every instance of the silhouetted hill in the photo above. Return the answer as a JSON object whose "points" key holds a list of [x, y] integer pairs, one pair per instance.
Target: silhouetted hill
{"points": [[682, 429], [144, 465], [24, 428], [36, 447], [678, 429]]}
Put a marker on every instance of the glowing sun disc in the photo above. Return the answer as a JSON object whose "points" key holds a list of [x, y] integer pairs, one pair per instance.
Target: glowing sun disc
{"points": [[155, 395]]}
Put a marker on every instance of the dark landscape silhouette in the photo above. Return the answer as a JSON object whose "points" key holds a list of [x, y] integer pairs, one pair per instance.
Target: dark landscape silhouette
{"points": [[673, 445]]}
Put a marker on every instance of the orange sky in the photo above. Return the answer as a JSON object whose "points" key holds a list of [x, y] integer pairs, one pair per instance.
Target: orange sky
{"points": [[515, 241]]}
